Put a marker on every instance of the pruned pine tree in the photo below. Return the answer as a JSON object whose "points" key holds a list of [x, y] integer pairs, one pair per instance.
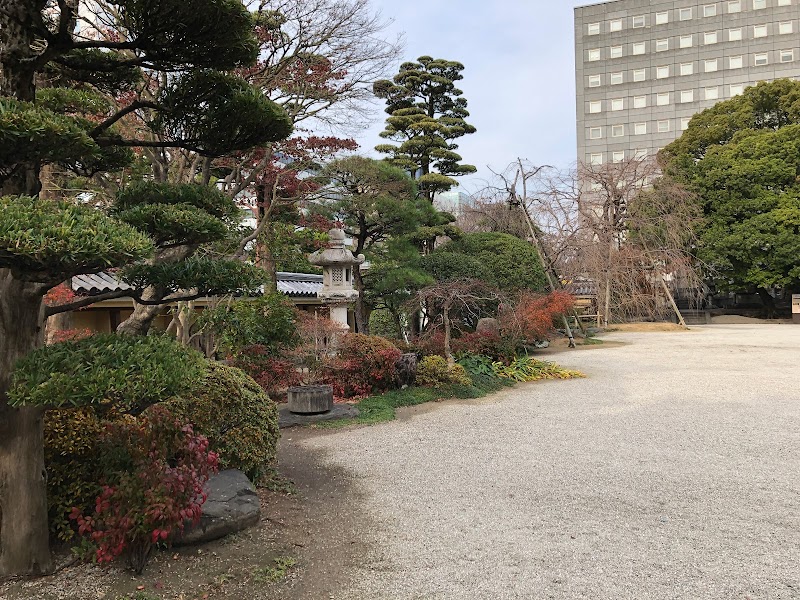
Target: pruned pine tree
{"points": [[64, 95], [427, 113]]}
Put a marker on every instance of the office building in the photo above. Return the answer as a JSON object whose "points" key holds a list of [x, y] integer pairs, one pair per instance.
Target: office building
{"points": [[644, 67]]}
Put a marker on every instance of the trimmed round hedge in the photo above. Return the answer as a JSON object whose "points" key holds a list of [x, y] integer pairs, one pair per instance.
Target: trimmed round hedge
{"points": [[236, 415]]}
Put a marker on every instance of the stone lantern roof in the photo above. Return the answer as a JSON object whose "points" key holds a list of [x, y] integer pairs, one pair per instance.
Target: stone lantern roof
{"points": [[335, 255]]}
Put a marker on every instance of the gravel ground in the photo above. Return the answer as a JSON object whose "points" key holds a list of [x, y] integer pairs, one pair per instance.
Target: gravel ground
{"points": [[672, 471]]}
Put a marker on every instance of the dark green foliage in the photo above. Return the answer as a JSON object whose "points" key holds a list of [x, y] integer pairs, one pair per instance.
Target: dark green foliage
{"points": [[269, 321], [507, 262], [31, 133], [237, 417], [49, 241], [216, 113], [444, 266], [427, 112], [175, 224], [126, 373], [740, 158], [213, 33], [382, 323], [201, 275], [374, 200], [208, 199], [69, 100], [106, 70]]}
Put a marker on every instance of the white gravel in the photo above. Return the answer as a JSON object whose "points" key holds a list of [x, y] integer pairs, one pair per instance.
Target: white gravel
{"points": [[672, 471]]}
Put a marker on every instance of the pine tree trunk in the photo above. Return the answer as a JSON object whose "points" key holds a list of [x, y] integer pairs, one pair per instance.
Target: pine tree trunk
{"points": [[143, 315], [23, 492]]}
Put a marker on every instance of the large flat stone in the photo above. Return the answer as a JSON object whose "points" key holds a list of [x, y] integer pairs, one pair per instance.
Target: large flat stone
{"points": [[232, 505]]}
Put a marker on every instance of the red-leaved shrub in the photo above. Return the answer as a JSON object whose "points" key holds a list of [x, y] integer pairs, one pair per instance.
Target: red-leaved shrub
{"points": [[68, 335], [154, 470], [365, 364], [532, 317], [271, 372]]}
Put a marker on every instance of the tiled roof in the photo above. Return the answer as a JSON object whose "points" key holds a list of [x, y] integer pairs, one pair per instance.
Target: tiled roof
{"points": [[299, 285], [294, 285], [581, 287], [98, 283]]}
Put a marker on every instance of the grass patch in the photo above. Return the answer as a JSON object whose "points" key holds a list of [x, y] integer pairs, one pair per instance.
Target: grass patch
{"points": [[276, 572], [383, 407], [591, 341]]}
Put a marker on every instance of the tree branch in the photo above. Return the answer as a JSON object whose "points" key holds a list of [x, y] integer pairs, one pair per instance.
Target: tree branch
{"points": [[133, 106]]}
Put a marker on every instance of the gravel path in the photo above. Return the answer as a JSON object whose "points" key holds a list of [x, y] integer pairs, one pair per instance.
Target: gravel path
{"points": [[672, 471]]}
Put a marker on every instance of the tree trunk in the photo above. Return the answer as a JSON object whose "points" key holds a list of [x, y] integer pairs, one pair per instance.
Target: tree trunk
{"points": [[23, 492], [360, 310], [143, 314], [768, 301], [448, 351]]}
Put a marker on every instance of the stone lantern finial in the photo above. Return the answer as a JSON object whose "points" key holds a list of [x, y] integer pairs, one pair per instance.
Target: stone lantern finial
{"points": [[337, 264]]}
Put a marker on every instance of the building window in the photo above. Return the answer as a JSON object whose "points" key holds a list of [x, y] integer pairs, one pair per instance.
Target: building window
{"points": [[711, 65], [685, 123], [785, 27], [638, 48], [596, 159], [787, 56], [685, 14], [662, 45], [687, 96], [616, 78], [595, 106], [710, 37], [759, 31], [639, 128], [663, 126], [761, 59], [637, 22], [662, 72], [737, 89], [640, 102], [685, 41], [734, 6], [712, 93], [617, 104], [735, 62], [662, 18], [662, 99], [615, 25], [618, 157], [595, 133], [784, 2], [615, 51], [687, 68], [640, 154], [594, 81], [617, 130], [759, 4], [594, 54], [639, 75], [710, 10], [593, 29], [735, 35]]}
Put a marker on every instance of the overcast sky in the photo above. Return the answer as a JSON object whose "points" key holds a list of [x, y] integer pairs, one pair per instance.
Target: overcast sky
{"points": [[518, 78]]}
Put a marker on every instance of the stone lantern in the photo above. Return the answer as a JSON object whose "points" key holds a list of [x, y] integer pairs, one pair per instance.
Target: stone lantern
{"points": [[337, 264]]}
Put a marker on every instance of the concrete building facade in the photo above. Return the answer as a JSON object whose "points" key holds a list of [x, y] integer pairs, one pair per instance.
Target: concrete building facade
{"points": [[644, 67]]}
